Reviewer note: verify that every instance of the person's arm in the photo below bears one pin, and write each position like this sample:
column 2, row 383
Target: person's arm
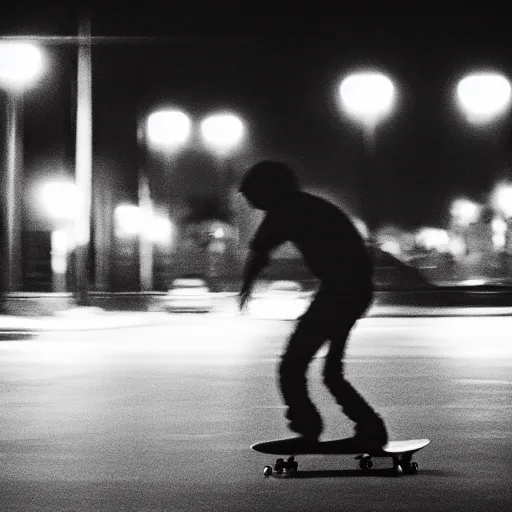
column 269, row 236
column 256, row 262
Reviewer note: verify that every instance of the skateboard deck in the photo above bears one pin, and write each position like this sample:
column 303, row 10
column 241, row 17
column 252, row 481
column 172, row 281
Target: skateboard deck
column 400, row 452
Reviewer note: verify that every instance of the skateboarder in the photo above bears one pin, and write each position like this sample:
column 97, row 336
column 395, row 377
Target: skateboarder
column 335, row 252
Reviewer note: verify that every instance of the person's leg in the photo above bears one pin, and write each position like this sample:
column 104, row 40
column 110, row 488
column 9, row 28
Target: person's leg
column 308, row 337
column 369, row 425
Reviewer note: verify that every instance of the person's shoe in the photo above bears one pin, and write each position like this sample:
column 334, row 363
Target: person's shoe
column 370, row 436
column 299, row 444
column 308, row 431
column 306, row 438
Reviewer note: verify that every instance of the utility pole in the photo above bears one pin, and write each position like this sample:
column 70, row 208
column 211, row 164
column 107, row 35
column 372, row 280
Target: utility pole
column 83, row 161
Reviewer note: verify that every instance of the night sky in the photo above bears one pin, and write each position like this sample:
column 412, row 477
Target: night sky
column 279, row 68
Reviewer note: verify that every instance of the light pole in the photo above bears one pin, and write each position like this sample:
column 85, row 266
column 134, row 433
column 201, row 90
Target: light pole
column 484, row 97
column 20, row 64
column 83, row 162
column 223, row 133
column 165, row 130
column 368, row 97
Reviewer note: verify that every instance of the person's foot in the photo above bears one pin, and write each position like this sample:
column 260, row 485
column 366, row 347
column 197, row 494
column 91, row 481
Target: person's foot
column 299, row 444
column 309, row 430
column 306, row 438
column 371, row 435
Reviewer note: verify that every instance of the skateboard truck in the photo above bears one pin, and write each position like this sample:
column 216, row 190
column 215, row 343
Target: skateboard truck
column 402, row 464
column 282, row 467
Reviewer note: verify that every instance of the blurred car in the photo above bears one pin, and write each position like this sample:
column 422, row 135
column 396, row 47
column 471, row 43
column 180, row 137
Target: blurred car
column 189, row 295
column 282, row 300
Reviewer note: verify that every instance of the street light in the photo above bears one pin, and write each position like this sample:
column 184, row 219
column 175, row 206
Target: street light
column 222, row 132
column 168, row 129
column 62, row 202
column 503, row 199
column 128, row 221
column 160, row 230
column 464, row 212
column 219, row 233
column 433, row 238
column 499, row 233
column 368, row 97
column 131, row 222
column 483, row 96
column 20, row 64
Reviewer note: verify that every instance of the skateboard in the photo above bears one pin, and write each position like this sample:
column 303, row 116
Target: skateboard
column 400, row 452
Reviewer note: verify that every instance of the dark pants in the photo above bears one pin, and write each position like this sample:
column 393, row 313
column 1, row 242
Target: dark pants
column 331, row 316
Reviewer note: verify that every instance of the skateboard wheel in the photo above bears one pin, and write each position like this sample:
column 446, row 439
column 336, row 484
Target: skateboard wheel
column 366, row 463
column 267, row 471
column 399, row 471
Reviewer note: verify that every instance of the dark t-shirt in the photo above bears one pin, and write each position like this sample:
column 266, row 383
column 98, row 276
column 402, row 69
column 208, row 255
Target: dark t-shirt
column 330, row 244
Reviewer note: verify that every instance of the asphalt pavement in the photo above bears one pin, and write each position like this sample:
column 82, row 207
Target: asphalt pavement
column 161, row 417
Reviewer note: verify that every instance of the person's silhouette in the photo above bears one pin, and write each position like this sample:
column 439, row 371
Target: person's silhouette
column 335, row 252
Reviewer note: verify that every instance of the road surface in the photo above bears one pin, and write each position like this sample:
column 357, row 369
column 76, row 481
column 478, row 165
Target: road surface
column 160, row 418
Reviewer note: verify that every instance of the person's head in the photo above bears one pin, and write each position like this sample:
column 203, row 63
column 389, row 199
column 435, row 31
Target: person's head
column 267, row 184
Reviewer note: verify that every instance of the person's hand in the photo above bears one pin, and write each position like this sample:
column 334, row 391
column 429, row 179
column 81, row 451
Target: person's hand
column 243, row 297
